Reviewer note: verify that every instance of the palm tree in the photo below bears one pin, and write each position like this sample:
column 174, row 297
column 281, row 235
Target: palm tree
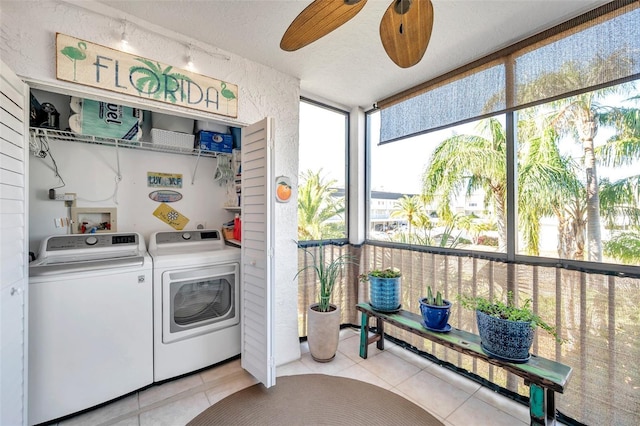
column 625, row 247
column 548, row 185
column 579, row 116
column 407, row 207
column 546, row 180
column 316, row 205
column 620, row 202
column 469, row 163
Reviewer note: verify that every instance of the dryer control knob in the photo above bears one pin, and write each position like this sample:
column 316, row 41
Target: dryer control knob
column 91, row 240
column 186, row 236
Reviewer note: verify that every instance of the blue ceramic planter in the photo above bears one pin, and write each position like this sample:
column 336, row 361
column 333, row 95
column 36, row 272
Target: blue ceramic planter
column 435, row 317
column 384, row 293
column 509, row 340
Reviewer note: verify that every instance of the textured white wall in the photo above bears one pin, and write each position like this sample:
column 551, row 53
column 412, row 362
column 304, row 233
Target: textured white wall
column 28, row 47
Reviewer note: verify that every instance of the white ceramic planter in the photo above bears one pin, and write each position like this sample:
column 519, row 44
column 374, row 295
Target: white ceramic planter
column 323, row 333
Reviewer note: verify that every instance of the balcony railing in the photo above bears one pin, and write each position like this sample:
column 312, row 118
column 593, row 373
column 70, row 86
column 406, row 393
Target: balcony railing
column 598, row 314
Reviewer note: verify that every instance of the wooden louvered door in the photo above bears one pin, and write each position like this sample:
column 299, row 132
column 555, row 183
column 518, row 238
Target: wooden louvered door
column 257, row 204
column 13, row 247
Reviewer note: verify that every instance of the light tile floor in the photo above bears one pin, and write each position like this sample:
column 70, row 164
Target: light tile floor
column 458, row 402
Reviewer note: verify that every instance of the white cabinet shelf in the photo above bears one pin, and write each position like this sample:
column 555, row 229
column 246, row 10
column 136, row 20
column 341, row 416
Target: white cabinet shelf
column 37, row 134
column 233, row 209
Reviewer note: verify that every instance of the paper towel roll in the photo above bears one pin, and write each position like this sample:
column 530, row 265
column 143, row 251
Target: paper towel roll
column 75, row 123
column 76, row 104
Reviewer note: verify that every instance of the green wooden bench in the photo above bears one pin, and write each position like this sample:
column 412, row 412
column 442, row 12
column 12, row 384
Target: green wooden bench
column 543, row 376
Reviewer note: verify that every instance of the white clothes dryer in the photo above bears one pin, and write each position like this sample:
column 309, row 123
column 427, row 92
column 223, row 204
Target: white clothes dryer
column 90, row 322
column 196, row 300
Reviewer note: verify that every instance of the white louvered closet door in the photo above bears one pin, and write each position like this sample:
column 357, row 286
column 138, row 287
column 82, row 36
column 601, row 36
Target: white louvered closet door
column 257, row 204
column 13, row 247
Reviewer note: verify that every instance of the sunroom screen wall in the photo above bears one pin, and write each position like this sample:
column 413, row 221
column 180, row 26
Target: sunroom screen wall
column 544, row 67
column 597, row 313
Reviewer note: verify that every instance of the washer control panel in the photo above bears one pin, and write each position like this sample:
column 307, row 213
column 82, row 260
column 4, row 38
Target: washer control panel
column 188, row 237
column 81, row 241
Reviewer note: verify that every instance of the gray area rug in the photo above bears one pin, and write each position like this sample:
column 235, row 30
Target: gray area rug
column 314, row 399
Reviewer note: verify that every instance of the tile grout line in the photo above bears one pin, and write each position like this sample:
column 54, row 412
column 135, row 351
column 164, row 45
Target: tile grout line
column 235, row 376
column 203, row 387
column 495, row 406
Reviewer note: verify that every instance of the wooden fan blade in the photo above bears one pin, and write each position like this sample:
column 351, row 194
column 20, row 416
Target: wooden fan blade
column 317, row 20
column 405, row 37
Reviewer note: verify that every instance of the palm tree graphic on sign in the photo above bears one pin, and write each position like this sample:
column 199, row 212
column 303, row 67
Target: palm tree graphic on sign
column 75, row 54
column 156, row 81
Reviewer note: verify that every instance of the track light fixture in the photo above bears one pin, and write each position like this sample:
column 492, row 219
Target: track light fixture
column 189, row 57
column 123, row 38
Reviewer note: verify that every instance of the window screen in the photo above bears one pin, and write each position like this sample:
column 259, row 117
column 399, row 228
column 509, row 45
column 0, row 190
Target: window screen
column 558, row 62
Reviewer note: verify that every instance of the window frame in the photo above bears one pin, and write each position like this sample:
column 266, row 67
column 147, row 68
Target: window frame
column 347, row 143
column 506, row 56
column 511, row 255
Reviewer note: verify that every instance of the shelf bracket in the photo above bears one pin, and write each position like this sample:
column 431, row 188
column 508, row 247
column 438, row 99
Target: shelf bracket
column 119, row 175
column 195, row 169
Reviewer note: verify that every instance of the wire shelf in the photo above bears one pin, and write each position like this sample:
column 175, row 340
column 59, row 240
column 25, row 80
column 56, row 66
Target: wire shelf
column 37, row 133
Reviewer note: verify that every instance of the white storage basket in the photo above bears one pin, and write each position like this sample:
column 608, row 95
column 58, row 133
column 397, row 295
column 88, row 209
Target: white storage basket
column 169, row 139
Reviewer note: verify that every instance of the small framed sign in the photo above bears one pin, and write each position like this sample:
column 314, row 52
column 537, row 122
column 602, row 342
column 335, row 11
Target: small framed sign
column 165, row 196
column 164, row 180
column 170, row 216
column 82, row 62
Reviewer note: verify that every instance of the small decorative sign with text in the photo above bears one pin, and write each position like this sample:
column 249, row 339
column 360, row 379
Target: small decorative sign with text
column 82, row 62
column 164, row 180
column 171, row 216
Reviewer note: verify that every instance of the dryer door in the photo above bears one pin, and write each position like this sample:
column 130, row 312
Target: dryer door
column 199, row 301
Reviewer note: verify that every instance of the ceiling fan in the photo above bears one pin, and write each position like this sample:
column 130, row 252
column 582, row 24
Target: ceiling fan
column 405, row 28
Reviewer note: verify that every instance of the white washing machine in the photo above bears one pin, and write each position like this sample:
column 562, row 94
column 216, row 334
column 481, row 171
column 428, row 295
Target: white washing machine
column 196, row 300
column 90, row 322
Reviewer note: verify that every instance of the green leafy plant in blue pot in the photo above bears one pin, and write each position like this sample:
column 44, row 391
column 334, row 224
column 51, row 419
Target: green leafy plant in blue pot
column 506, row 330
column 435, row 311
column 385, row 289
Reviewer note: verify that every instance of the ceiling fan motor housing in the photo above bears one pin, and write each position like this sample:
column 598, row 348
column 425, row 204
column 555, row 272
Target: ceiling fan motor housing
column 402, row 6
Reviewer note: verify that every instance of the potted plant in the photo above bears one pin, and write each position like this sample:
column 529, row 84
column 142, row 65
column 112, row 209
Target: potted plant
column 506, row 331
column 323, row 317
column 384, row 289
column 435, row 311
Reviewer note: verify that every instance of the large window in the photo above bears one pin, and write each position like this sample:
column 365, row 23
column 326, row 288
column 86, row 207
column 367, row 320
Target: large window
column 521, row 172
column 445, row 189
column 532, row 151
column 578, row 177
column 322, row 200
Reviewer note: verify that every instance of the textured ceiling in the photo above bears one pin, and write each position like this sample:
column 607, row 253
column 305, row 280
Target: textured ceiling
column 349, row 66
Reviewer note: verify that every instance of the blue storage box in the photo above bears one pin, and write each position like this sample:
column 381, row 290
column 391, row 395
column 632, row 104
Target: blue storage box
column 214, row 141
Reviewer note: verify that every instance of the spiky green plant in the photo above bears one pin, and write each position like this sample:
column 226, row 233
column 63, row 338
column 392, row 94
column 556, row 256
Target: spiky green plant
column 327, row 273
column 434, row 301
